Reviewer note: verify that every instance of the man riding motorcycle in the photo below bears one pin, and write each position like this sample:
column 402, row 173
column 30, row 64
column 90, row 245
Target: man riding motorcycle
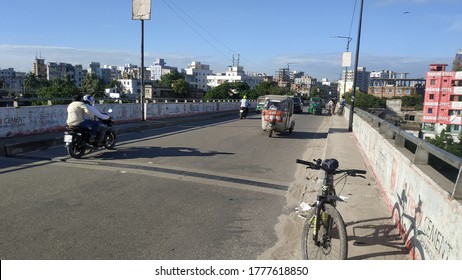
column 98, row 130
column 245, row 105
column 76, row 112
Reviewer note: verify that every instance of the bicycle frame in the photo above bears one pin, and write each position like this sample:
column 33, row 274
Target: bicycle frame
column 328, row 196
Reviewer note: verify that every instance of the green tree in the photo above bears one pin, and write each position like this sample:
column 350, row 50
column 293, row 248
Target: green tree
column 411, row 101
column 446, row 142
column 366, row 101
column 32, row 83
column 168, row 79
column 93, row 85
column 181, row 88
column 223, row 91
column 117, row 85
column 58, row 88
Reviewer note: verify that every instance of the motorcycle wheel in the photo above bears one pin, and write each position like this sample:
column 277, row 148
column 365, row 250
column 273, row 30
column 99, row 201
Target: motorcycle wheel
column 76, row 150
column 270, row 132
column 109, row 140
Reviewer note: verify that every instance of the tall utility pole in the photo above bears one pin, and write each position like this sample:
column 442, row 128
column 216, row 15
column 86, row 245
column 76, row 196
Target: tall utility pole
column 141, row 10
column 352, row 107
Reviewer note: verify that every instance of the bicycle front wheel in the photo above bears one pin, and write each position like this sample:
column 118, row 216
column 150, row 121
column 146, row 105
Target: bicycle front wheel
column 331, row 242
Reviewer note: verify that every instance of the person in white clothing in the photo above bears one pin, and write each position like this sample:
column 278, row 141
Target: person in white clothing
column 76, row 112
column 98, row 130
column 245, row 104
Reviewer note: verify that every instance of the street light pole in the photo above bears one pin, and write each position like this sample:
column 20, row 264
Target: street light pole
column 143, row 113
column 352, row 107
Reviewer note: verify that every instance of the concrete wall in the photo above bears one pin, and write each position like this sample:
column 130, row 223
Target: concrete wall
column 429, row 218
column 40, row 119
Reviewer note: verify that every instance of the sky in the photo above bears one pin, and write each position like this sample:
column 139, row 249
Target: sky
column 404, row 36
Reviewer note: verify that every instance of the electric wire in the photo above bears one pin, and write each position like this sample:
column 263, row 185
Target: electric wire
column 192, row 28
column 172, row 3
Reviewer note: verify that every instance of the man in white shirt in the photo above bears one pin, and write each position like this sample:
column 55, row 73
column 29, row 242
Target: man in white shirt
column 98, row 131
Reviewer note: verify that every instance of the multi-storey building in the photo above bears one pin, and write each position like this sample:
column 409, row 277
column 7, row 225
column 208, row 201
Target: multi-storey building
column 160, row 68
column 303, row 85
column 345, row 84
column 39, row 69
column 64, row 71
column 387, row 84
column 443, row 101
column 234, row 74
column 12, row 81
column 196, row 75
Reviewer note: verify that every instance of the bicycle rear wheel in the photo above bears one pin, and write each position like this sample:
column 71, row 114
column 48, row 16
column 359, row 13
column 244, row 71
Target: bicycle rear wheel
column 331, row 243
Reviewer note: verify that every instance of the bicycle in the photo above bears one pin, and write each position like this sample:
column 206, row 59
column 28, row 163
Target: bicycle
column 324, row 233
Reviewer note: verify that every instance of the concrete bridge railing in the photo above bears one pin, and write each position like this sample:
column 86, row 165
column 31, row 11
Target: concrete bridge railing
column 420, row 184
column 25, row 120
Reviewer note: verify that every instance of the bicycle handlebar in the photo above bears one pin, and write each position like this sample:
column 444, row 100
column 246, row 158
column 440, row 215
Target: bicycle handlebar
column 317, row 165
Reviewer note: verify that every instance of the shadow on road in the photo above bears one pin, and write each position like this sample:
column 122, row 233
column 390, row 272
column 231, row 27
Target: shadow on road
column 153, row 152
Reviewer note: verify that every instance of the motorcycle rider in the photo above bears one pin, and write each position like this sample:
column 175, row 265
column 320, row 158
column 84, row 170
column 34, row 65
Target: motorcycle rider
column 98, row 130
column 76, row 112
column 245, row 104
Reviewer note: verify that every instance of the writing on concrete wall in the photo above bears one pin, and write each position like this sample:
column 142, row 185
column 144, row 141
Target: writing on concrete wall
column 12, row 121
column 428, row 219
column 437, row 245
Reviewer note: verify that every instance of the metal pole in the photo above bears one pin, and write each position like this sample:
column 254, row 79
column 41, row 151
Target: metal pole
column 352, row 108
column 143, row 118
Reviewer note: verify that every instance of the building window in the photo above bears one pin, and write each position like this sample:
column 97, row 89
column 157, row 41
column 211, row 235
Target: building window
column 432, row 96
column 430, row 110
column 433, row 82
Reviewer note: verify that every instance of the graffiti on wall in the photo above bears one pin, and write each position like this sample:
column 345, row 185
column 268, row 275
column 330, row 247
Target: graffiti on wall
column 420, row 234
column 12, row 122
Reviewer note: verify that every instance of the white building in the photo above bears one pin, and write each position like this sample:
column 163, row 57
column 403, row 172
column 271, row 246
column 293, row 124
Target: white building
column 234, row 74
column 362, row 81
column 196, row 75
column 160, row 68
column 132, row 87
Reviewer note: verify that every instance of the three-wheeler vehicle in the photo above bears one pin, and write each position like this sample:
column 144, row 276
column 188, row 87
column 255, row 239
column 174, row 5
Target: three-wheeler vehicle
column 277, row 114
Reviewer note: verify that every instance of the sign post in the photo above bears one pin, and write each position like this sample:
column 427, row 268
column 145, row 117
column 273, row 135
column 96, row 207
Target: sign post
column 141, row 10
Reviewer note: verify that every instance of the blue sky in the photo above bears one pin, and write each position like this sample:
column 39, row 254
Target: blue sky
column 268, row 34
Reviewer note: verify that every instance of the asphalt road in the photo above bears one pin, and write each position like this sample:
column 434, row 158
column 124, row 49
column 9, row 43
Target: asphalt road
column 207, row 190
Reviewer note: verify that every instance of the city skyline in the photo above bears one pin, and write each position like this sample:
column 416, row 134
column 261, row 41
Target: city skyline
column 397, row 35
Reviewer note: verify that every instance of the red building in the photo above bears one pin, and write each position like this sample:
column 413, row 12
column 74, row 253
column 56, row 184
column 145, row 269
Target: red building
column 443, row 101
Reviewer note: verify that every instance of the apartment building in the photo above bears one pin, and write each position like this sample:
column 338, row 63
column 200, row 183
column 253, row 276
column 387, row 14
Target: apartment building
column 345, row 84
column 234, row 74
column 443, row 101
column 64, row 71
column 160, row 68
column 388, row 84
column 196, row 75
column 12, row 81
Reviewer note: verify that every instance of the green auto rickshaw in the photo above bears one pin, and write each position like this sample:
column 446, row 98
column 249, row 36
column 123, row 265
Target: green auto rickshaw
column 315, row 106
